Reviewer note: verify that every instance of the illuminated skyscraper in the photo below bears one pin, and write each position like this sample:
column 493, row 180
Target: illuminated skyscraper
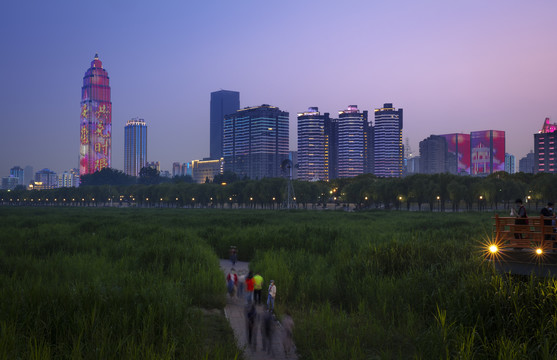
column 351, row 142
column 135, row 146
column 96, row 120
column 388, row 141
column 255, row 141
column 458, row 146
column 223, row 102
column 544, row 148
column 313, row 145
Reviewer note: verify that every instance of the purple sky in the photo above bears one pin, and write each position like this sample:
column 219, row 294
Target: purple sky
column 453, row 67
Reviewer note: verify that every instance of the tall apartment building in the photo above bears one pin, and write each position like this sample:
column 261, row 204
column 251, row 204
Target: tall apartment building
column 69, row 178
column 313, row 145
column 487, row 152
column 544, row 148
column 223, row 102
column 96, row 120
column 433, row 155
column 388, row 149
column 135, row 146
column 351, row 142
column 509, row 164
column 255, row 141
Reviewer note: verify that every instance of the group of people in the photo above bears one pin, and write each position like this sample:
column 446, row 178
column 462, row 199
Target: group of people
column 522, row 217
column 252, row 286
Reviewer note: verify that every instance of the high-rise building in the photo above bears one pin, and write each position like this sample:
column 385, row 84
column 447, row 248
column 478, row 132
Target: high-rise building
column 388, row 141
column 351, row 142
column 96, row 120
column 255, row 141
column 18, row 173
column 458, row 146
column 487, row 152
column 135, row 146
column 313, row 145
column 433, row 155
column 176, row 169
column 205, row 170
column 28, row 175
column 9, row 182
column 509, row 164
column 69, row 178
column 223, row 102
column 544, row 148
column 47, row 178
column 155, row 165
column 528, row 163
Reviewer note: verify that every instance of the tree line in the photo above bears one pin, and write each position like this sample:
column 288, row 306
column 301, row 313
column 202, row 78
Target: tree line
column 440, row 192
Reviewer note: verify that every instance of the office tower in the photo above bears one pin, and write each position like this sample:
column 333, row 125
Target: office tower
column 46, row 179
column 223, row 102
column 255, row 141
column 458, row 146
column 413, row 165
column 388, row 141
column 293, row 156
column 206, row 169
column 176, row 169
column 28, row 175
column 509, row 164
column 135, row 146
column 331, row 132
column 96, row 120
column 544, row 148
column 487, row 152
column 528, row 163
column 351, row 141
column 433, row 155
column 18, row 173
column 186, row 169
column 313, row 145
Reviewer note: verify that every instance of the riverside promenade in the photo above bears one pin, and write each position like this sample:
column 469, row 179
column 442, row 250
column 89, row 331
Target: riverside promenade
column 235, row 313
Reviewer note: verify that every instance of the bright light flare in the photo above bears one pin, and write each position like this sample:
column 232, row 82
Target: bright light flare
column 493, row 249
column 539, row 251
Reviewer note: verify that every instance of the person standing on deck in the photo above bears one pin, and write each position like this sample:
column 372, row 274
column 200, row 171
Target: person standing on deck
column 271, row 296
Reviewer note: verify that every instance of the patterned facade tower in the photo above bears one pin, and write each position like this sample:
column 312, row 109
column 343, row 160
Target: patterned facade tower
column 96, row 120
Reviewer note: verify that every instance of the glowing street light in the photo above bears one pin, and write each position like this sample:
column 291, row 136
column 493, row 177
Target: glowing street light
column 539, row 251
column 493, row 249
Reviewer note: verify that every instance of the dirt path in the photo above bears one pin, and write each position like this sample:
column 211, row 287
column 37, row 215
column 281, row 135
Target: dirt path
column 235, row 313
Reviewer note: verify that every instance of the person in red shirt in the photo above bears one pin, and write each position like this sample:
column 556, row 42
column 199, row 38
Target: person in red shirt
column 249, row 287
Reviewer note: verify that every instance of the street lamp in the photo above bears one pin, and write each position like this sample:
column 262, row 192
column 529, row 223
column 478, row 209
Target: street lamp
column 438, row 203
column 480, row 202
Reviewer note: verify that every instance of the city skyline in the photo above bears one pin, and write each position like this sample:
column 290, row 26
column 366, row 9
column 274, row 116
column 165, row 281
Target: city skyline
column 454, row 68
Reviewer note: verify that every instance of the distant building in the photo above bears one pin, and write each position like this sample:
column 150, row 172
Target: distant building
column 458, row 147
column 28, row 175
column 528, row 163
column 313, row 145
column 18, row 173
column 9, row 182
column 388, row 149
column 206, row 169
column 69, row 178
column 293, row 156
column 47, row 178
column 165, row 174
column 96, row 120
column 433, row 155
column 223, row 102
column 255, row 141
column 413, row 165
column 176, row 169
column 154, row 164
column 487, row 149
column 544, row 148
column 186, row 169
column 135, row 146
column 509, row 163
column 351, row 142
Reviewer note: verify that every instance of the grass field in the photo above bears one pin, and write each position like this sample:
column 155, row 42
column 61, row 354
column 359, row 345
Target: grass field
column 137, row 283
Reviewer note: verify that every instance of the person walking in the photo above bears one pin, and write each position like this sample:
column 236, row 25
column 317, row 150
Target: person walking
column 267, row 332
column 232, row 282
column 249, row 288
column 288, row 338
column 521, row 218
column 271, row 296
column 257, row 287
column 251, row 320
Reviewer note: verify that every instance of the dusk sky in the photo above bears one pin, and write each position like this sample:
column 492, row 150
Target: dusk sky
column 453, row 66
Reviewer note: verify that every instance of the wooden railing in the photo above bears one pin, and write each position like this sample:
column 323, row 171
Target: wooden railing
column 525, row 233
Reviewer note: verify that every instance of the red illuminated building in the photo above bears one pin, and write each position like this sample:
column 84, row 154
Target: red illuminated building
column 96, row 120
column 544, row 148
column 487, row 152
